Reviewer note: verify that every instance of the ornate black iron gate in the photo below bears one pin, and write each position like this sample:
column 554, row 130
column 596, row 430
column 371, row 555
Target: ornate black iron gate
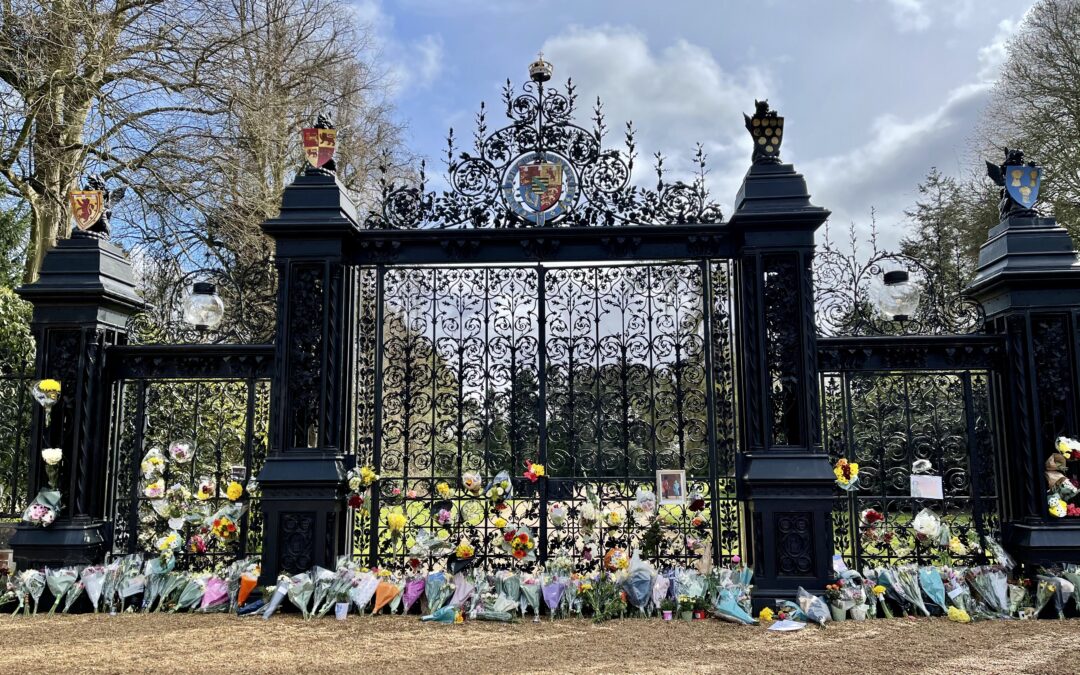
column 603, row 374
column 889, row 402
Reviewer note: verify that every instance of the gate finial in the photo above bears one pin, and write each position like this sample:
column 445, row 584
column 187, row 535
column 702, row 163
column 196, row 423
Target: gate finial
column 540, row 70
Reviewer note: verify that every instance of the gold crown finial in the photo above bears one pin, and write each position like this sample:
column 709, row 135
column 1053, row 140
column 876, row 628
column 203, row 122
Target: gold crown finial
column 540, row 70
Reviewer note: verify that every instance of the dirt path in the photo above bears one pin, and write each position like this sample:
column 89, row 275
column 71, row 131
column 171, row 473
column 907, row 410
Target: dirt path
column 287, row 644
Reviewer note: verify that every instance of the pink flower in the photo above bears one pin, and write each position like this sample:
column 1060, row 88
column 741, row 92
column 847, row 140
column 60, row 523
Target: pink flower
column 735, row 559
column 443, row 516
column 396, row 491
column 411, row 494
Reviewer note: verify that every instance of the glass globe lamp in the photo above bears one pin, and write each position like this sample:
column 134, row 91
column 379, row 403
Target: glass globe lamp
column 897, row 296
column 203, row 307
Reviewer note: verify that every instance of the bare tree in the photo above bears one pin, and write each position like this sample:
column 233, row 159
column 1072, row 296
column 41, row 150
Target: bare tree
column 1036, row 104
column 293, row 59
column 91, row 82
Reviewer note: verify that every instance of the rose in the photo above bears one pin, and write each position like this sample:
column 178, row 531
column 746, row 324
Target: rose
column 355, row 501
column 52, row 456
column 472, row 482
column 234, row 491
column 443, row 517
column 557, row 514
column 926, row 524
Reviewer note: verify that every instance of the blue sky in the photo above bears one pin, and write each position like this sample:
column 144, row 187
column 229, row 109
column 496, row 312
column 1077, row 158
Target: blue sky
column 875, row 92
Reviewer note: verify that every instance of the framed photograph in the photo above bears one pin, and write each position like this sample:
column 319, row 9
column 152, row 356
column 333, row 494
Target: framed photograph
column 671, row 486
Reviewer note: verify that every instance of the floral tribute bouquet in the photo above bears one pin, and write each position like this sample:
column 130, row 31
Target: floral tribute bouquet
column 533, row 471
column 175, row 506
column 225, row 523
column 46, row 392
column 847, row 474
column 153, row 464
column 60, row 582
column 519, row 543
column 1061, row 489
column 44, row 509
column 182, row 451
column 500, row 490
column 360, row 482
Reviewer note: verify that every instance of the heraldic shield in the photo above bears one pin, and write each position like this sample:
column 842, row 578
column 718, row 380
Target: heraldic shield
column 87, row 207
column 540, row 185
column 319, row 145
column 1022, row 184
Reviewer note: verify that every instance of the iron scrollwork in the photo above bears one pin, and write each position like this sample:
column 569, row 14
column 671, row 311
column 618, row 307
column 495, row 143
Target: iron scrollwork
column 844, row 283
column 569, row 177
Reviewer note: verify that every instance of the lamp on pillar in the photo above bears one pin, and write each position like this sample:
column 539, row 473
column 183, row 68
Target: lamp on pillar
column 787, row 478
column 1028, row 281
column 82, row 300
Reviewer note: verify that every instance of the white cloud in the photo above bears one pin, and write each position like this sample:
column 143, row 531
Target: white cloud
column 413, row 65
column 675, row 96
column 910, row 15
column 883, row 173
column 992, row 57
column 921, row 15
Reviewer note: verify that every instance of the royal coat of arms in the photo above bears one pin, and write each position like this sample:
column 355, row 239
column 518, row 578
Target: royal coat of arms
column 540, row 185
column 319, row 145
column 87, row 207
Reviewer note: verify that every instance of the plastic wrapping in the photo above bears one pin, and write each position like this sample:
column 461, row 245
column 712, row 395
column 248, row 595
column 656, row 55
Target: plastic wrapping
column 638, row 584
column 931, row 584
column 812, row 607
column 384, row 593
column 93, row 578
column 59, row 583
column 414, row 588
column 215, row 596
column 463, row 589
column 281, row 591
column 301, row 590
column 433, row 590
column 552, row 590
column 363, row 590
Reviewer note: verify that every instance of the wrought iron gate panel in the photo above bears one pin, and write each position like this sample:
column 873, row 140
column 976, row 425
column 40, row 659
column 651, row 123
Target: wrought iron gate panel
column 885, row 420
column 220, row 401
column 629, row 385
column 16, row 408
column 459, row 366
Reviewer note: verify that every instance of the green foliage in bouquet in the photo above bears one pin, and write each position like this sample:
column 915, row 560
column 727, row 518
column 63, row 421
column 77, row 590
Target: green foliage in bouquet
column 605, row 600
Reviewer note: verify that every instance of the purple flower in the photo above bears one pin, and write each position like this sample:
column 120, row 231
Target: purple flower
column 443, row 516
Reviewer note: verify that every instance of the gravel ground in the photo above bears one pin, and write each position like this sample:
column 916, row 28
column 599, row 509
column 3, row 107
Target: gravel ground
column 216, row 643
